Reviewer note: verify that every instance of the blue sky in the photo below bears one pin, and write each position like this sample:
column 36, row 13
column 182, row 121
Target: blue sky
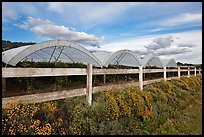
column 168, row 29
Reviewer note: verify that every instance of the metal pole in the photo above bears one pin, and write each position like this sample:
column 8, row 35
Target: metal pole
column 89, row 84
column 141, row 77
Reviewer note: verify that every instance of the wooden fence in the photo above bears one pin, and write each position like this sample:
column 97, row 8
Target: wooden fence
column 89, row 71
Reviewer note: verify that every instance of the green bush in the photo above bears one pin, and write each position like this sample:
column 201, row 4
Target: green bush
column 127, row 111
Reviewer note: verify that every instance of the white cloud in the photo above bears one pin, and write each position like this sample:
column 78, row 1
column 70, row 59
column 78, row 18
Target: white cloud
column 37, row 21
column 169, row 46
column 155, row 30
column 186, row 46
column 8, row 13
column 13, row 10
column 182, row 19
column 33, row 22
column 172, row 50
column 160, row 43
column 60, row 7
column 153, row 46
column 91, row 13
column 159, row 46
column 135, row 44
column 49, row 29
column 77, row 12
column 193, row 37
column 88, row 14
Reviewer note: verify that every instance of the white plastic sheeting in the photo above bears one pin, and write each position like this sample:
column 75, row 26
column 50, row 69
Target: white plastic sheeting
column 66, row 51
column 122, row 57
column 169, row 63
column 102, row 56
column 11, row 53
column 151, row 60
column 49, row 51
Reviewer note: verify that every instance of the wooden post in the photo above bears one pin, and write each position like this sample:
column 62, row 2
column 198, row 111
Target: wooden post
column 188, row 71
column 27, row 81
column 89, row 84
column 179, row 72
column 141, row 77
column 144, row 76
column 3, row 87
column 199, row 72
column 165, row 73
column 104, row 78
column 195, row 71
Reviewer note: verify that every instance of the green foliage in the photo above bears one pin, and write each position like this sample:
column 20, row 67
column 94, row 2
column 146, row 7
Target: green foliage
column 28, row 64
column 161, row 108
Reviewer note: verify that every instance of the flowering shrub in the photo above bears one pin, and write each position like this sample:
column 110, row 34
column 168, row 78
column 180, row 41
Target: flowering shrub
column 127, row 111
column 25, row 119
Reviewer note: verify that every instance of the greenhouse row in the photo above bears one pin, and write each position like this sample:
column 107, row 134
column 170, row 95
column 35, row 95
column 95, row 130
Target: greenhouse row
column 69, row 52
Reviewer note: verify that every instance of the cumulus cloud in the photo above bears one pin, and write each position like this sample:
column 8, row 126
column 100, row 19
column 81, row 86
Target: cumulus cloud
column 160, row 43
column 185, row 46
column 169, row 46
column 50, row 30
column 172, row 50
column 153, row 46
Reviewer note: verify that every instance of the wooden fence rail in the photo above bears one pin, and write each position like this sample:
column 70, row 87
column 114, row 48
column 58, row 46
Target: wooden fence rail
column 42, row 97
column 42, row 72
column 89, row 71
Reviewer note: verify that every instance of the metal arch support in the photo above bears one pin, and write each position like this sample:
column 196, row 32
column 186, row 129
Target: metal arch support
column 68, row 57
column 51, row 43
column 52, row 54
column 46, row 52
column 60, row 53
column 150, row 59
column 107, row 62
column 89, row 56
column 120, row 58
column 173, row 60
column 39, row 55
column 36, row 53
column 169, row 62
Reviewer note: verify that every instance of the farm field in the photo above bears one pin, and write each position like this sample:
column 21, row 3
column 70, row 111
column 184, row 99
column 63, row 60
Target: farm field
column 102, row 68
column 172, row 107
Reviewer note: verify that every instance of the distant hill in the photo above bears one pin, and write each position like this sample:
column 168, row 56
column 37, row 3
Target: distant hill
column 9, row 45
